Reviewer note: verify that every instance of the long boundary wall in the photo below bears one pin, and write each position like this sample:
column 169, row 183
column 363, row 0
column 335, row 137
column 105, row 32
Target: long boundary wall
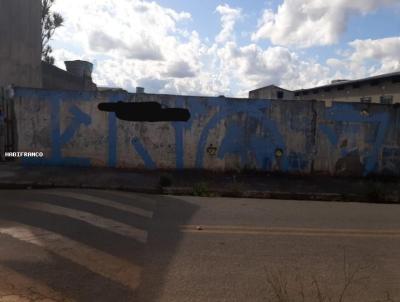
column 222, row 134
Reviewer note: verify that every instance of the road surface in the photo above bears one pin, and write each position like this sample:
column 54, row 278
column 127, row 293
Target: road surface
column 88, row 245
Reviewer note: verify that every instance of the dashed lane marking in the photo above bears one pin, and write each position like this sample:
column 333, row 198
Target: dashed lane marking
column 248, row 230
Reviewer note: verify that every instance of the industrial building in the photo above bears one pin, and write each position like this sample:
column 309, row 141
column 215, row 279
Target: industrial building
column 384, row 89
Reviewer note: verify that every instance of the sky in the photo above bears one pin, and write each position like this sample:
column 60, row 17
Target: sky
column 214, row 48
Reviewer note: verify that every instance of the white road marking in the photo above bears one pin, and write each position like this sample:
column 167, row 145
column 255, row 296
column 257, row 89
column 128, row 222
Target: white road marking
column 102, row 201
column 133, row 196
column 98, row 221
column 111, row 267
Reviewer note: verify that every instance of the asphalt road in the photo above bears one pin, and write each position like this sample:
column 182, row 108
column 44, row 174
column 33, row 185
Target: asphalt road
column 87, row 245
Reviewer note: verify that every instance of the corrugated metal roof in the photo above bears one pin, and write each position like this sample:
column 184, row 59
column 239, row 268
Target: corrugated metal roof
column 347, row 82
column 261, row 88
column 339, row 83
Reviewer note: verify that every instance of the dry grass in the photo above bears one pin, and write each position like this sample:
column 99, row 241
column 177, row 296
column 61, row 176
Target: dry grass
column 298, row 288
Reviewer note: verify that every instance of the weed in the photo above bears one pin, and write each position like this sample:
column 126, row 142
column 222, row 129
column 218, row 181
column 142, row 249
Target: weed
column 375, row 193
column 201, row 189
column 284, row 289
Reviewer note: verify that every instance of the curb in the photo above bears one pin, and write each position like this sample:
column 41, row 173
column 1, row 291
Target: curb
column 188, row 191
column 265, row 194
column 51, row 185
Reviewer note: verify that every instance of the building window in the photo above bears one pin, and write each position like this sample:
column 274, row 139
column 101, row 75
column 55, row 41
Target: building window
column 387, row 99
column 327, row 89
column 366, row 99
column 340, row 87
column 375, row 83
column 279, row 94
column 296, row 93
column 305, row 92
column 315, row 91
column 356, row 85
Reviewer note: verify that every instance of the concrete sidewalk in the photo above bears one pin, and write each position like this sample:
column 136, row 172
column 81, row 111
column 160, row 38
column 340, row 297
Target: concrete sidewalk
column 203, row 183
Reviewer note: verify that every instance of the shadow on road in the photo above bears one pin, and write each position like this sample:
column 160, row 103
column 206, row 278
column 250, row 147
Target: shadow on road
column 164, row 242
column 77, row 247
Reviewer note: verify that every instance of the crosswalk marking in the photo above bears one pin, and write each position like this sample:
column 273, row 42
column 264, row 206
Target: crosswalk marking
column 102, row 201
column 101, row 263
column 97, row 261
column 98, row 221
column 131, row 196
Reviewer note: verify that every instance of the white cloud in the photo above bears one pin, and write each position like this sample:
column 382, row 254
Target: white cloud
column 179, row 69
column 136, row 29
column 367, row 57
column 313, row 22
column 152, row 84
column 144, row 46
column 62, row 55
column 138, row 43
column 229, row 16
column 385, row 52
column 252, row 67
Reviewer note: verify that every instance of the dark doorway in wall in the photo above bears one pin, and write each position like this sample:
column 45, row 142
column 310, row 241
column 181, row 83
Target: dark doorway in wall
column 9, row 131
column 279, row 95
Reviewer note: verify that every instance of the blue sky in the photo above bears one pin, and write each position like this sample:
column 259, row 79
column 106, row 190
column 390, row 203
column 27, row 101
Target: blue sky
column 229, row 47
column 207, row 21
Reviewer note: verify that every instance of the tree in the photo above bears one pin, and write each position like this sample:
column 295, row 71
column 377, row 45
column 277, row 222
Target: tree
column 50, row 22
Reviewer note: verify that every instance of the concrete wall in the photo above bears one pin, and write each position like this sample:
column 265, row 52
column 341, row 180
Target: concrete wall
column 222, row 134
column 20, row 43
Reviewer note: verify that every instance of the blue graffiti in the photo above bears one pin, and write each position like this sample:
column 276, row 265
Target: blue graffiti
column 297, row 162
column 197, row 109
column 58, row 139
column 250, row 134
column 231, row 143
column 222, row 114
column 54, row 98
column 112, row 129
column 79, row 118
column 264, row 148
column 141, row 150
column 349, row 114
column 332, row 137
